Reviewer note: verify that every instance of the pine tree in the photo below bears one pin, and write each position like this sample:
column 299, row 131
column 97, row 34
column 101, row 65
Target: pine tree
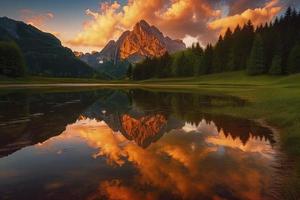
column 129, row 71
column 184, row 68
column 177, row 65
column 206, row 62
column 288, row 12
column 198, row 49
column 165, row 66
column 256, row 63
column 231, row 64
column 276, row 67
column 294, row 60
column 12, row 62
column 245, row 44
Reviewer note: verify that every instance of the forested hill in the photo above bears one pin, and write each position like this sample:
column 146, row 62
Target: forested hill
column 271, row 48
column 43, row 53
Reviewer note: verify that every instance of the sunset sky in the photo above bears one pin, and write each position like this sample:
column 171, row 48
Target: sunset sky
column 88, row 25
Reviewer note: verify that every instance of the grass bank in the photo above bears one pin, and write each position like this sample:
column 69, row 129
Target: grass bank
column 46, row 80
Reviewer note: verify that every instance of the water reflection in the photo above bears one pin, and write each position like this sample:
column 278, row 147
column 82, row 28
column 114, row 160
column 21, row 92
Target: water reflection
column 190, row 162
column 130, row 146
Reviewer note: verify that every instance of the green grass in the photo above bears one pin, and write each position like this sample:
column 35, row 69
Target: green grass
column 238, row 78
column 229, row 78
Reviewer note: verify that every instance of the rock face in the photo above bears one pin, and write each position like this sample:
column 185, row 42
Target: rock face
column 144, row 40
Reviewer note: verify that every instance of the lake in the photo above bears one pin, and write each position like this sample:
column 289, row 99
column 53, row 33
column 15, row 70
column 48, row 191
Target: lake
column 131, row 144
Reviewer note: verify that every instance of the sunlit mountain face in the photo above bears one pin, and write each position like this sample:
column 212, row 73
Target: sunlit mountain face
column 123, row 146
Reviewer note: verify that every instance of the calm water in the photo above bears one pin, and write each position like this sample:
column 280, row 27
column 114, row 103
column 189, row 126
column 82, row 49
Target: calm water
column 133, row 144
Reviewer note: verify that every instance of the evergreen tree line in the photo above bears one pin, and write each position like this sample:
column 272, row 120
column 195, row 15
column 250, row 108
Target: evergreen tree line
column 12, row 62
column 272, row 48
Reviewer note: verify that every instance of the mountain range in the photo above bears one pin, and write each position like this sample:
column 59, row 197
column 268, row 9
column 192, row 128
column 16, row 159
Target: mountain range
column 132, row 46
column 43, row 52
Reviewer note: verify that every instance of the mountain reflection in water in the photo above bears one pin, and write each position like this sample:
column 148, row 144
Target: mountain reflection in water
column 123, row 146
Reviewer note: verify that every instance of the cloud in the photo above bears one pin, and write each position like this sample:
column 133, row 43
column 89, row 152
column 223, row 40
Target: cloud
column 189, row 40
column 38, row 20
column 237, row 7
column 257, row 16
column 202, row 20
column 175, row 17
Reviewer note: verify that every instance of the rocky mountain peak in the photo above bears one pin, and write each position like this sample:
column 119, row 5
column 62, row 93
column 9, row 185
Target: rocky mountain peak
column 142, row 41
column 142, row 25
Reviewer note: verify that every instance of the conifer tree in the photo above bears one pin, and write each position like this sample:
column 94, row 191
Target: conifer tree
column 276, row 67
column 165, row 63
column 231, row 64
column 206, row 65
column 129, row 71
column 256, row 64
column 12, row 62
column 294, row 60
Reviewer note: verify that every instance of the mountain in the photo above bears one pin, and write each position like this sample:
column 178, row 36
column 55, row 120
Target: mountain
column 43, row 52
column 143, row 41
column 78, row 54
column 132, row 46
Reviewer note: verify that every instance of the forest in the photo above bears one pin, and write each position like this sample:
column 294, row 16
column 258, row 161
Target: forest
column 272, row 48
column 12, row 61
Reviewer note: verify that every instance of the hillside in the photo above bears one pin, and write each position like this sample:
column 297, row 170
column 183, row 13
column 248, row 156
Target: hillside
column 43, row 52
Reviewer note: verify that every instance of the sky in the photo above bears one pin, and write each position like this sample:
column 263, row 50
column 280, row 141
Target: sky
column 87, row 25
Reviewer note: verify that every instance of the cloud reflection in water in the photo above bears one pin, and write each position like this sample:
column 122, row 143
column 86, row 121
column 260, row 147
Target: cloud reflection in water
column 192, row 162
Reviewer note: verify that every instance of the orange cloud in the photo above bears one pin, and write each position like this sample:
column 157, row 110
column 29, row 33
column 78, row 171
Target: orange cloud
column 175, row 17
column 38, row 20
column 198, row 19
column 257, row 16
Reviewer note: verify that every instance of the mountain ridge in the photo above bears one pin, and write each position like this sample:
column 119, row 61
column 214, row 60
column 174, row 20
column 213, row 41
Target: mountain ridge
column 142, row 41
